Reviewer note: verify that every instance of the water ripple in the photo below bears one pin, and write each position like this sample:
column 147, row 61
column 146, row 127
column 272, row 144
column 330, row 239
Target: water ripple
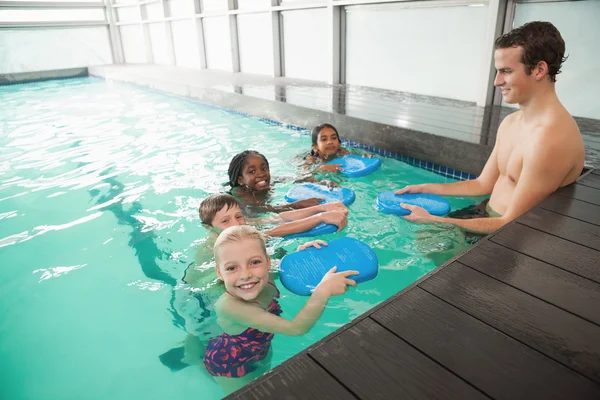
column 55, row 272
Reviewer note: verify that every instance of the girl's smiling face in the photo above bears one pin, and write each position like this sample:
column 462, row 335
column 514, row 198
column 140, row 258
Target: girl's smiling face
column 328, row 142
column 244, row 268
column 255, row 174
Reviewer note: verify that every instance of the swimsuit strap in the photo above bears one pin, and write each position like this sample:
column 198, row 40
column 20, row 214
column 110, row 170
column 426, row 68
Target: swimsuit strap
column 272, row 284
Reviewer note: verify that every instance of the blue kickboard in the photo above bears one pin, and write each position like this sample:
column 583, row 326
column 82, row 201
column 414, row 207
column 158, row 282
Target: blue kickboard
column 389, row 203
column 355, row 166
column 321, row 229
column 309, row 190
column 301, row 272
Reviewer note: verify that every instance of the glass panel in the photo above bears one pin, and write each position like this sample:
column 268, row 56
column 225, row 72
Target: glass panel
column 128, row 14
column 54, row 1
column 305, row 44
column 94, row 14
column 159, row 43
column 132, row 39
column 214, row 5
column 218, row 43
column 296, row 2
column 255, row 43
column 185, row 42
column 578, row 85
column 154, row 11
column 25, row 50
column 262, row 92
column 253, row 4
column 181, row 8
column 429, row 51
column 316, row 98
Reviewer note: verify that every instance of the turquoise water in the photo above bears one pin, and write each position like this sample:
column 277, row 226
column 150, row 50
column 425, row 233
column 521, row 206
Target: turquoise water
column 100, row 187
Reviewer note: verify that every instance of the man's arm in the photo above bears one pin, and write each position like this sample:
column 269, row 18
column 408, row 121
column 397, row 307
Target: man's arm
column 540, row 177
column 483, row 185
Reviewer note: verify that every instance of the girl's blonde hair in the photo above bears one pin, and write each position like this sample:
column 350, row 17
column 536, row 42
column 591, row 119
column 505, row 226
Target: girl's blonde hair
column 236, row 234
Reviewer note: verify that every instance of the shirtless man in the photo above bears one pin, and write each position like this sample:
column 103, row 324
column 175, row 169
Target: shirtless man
column 538, row 148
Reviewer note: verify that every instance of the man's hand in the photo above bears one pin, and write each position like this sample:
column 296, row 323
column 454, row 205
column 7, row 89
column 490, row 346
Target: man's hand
column 411, row 189
column 417, row 214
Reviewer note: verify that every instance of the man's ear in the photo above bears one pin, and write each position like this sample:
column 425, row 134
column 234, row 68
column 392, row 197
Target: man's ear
column 541, row 70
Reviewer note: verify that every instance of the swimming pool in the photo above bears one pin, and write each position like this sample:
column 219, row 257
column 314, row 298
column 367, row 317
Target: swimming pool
column 100, row 186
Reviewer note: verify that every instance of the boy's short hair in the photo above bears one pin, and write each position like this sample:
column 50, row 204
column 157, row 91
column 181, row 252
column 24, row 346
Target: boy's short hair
column 541, row 41
column 211, row 205
column 237, row 233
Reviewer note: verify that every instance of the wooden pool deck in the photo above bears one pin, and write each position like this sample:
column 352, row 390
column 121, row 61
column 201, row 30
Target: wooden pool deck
column 515, row 317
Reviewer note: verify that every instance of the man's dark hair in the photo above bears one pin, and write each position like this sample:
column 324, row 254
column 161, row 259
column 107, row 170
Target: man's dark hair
column 541, row 41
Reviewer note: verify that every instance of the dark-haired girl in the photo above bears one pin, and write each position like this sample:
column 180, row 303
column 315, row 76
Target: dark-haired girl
column 326, row 145
column 250, row 181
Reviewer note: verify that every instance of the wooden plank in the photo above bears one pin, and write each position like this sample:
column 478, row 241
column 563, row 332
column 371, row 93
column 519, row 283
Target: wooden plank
column 498, row 365
column 581, row 192
column 375, row 364
column 554, row 285
column 562, row 226
column 301, row 379
column 560, row 335
column 567, row 255
column 573, row 208
column 591, row 180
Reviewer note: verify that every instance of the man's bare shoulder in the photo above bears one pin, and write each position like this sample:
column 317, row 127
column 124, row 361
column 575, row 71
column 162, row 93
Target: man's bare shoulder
column 558, row 145
column 509, row 121
column 564, row 123
column 559, row 129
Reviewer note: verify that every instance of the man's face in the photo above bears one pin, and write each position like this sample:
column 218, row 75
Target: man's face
column 511, row 76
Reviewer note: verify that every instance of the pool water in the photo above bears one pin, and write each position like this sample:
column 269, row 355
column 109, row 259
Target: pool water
column 99, row 190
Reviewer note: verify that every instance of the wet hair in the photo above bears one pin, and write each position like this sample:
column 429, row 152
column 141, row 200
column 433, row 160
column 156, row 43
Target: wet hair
column 541, row 41
column 236, row 234
column 315, row 135
column 210, row 206
column 237, row 164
